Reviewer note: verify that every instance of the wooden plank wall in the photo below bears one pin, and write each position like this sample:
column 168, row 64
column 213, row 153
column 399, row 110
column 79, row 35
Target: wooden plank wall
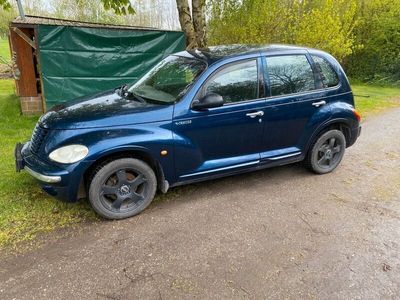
column 27, row 83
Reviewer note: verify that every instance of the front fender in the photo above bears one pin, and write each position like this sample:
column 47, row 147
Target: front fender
column 151, row 139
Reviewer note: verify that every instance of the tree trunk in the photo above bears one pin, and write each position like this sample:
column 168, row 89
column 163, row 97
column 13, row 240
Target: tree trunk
column 185, row 19
column 199, row 22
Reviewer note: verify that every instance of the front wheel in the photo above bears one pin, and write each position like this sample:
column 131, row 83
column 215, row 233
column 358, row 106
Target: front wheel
column 327, row 152
column 122, row 188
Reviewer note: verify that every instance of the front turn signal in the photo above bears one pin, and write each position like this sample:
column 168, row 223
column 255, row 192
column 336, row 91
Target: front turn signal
column 357, row 115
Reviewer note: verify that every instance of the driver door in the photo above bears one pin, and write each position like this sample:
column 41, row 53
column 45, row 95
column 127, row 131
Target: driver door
column 223, row 139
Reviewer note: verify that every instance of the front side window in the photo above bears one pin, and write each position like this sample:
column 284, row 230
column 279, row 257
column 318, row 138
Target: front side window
column 169, row 79
column 328, row 75
column 290, row 74
column 235, row 83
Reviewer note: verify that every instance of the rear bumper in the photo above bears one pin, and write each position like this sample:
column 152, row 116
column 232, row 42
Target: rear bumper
column 61, row 182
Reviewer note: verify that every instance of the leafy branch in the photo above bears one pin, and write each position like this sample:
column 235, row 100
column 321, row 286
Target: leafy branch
column 120, row 7
column 5, row 4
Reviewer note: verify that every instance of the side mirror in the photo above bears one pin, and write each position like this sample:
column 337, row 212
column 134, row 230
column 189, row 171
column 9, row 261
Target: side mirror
column 208, row 101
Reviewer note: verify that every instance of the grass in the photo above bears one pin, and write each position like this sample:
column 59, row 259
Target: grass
column 4, row 49
column 25, row 210
column 372, row 99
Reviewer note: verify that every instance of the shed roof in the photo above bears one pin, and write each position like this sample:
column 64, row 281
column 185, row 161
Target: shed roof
column 37, row 20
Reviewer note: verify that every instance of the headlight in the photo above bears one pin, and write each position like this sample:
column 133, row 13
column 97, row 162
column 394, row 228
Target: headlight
column 69, row 154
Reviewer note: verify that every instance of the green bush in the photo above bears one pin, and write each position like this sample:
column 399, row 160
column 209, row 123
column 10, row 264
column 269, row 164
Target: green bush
column 363, row 34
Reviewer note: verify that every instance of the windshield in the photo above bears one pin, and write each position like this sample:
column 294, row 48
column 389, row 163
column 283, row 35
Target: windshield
column 169, row 79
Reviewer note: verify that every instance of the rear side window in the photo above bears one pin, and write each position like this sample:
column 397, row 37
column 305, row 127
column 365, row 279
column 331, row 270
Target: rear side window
column 328, row 75
column 290, row 74
column 236, row 82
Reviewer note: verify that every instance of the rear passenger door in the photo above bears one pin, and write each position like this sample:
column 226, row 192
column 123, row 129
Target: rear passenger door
column 295, row 97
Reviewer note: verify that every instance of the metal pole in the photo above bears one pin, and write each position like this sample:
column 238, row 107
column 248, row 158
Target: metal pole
column 21, row 9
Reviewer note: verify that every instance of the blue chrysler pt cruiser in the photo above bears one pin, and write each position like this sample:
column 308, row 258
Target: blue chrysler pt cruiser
column 196, row 115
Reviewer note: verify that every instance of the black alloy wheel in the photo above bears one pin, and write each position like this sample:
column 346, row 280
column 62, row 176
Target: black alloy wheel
column 122, row 188
column 327, row 152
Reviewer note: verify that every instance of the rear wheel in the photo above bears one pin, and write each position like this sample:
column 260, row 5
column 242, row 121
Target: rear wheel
column 327, row 152
column 122, row 188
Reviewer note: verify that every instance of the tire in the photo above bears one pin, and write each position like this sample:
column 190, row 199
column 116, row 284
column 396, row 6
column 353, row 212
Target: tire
column 122, row 188
column 327, row 152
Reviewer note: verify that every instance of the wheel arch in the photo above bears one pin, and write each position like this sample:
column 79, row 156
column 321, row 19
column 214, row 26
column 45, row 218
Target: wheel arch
column 137, row 153
column 340, row 124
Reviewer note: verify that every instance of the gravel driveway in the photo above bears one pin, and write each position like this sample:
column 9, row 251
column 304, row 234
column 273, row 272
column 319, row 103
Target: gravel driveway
column 277, row 233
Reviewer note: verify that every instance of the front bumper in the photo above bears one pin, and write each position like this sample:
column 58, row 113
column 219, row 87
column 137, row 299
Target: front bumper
column 62, row 182
column 19, row 161
column 20, row 165
column 43, row 178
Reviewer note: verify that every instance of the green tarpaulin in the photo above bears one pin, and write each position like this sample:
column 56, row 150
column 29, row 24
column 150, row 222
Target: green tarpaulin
column 79, row 61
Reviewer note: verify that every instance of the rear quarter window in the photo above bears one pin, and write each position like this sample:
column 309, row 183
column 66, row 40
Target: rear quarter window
column 329, row 77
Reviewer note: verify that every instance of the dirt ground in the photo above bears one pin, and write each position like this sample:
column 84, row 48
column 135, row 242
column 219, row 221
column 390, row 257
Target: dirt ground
column 273, row 234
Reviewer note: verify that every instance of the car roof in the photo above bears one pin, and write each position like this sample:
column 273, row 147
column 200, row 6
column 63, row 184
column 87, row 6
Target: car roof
column 216, row 53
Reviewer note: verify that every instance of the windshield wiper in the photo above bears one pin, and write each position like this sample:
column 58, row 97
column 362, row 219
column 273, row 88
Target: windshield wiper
column 123, row 91
column 137, row 97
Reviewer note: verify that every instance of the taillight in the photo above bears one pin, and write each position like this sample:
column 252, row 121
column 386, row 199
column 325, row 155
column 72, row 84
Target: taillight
column 357, row 115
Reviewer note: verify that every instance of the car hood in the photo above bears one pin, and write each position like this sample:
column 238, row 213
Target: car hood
column 104, row 110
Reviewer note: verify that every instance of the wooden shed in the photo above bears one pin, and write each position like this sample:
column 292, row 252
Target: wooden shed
column 61, row 60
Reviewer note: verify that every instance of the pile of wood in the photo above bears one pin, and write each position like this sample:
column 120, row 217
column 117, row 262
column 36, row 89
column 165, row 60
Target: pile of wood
column 8, row 68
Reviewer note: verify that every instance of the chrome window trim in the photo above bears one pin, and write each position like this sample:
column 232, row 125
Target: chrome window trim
column 306, row 92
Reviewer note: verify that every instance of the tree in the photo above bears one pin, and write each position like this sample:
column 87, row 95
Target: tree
column 193, row 24
column 328, row 26
column 5, row 4
column 378, row 58
column 83, row 10
column 323, row 24
column 6, row 16
column 120, row 7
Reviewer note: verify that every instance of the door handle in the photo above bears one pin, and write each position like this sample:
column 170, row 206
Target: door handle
column 319, row 103
column 252, row 115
